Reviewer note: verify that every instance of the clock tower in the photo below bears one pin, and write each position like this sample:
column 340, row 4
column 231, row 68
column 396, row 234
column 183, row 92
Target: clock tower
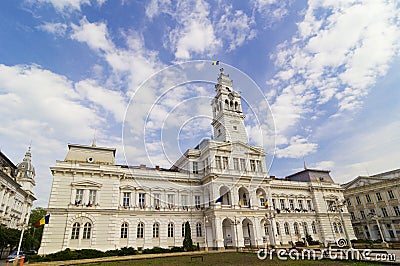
column 228, row 118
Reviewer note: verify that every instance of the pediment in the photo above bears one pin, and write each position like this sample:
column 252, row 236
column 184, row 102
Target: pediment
column 362, row 181
column 127, row 187
column 86, row 183
column 229, row 146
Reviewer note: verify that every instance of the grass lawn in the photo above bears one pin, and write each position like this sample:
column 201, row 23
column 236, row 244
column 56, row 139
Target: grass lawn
column 230, row 258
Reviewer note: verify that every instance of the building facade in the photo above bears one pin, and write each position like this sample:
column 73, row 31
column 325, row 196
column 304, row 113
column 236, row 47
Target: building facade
column 374, row 207
column 221, row 187
column 16, row 191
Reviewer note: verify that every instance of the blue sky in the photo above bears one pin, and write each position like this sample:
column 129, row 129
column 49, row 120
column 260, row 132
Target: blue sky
column 329, row 70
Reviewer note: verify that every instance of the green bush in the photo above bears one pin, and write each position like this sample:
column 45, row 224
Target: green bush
column 155, row 250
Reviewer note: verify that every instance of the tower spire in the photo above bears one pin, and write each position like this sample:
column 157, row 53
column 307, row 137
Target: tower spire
column 94, row 139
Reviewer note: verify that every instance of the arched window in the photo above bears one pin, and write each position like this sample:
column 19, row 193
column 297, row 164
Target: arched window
column 335, row 227
column 156, row 230
column 296, row 229
column 199, row 232
column 75, row 230
column 340, row 228
column 305, row 228
column 183, row 229
column 140, row 230
column 278, row 231
column 226, row 104
column 236, row 105
column 286, row 226
column 124, row 230
column 314, row 228
column 170, row 230
column 87, row 230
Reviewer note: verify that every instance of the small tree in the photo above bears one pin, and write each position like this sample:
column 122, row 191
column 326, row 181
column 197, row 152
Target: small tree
column 187, row 242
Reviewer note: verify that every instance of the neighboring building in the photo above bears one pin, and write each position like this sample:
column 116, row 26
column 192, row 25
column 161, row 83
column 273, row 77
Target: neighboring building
column 374, row 201
column 16, row 191
column 221, row 187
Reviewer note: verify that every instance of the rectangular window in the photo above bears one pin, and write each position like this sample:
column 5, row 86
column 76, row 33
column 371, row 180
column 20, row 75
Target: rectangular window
column 126, row 199
column 391, row 195
column 372, row 211
column 368, row 198
column 362, row 214
column 384, row 212
column 291, row 204
column 157, row 201
column 396, row 210
column 262, row 202
column 197, row 201
column 352, row 216
column 252, row 165
column 236, row 164
column 348, row 201
column 184, row 202
column 92, row 197
column 273, row 204
column 378, row 196
column 225, row 162
column 309, row 205
column 259, row 166
column 124, row 230
column 218, row 162
column 243, row 164
column 358, row 200
column 170, row 201
column 282, row 202
column 199, row 231
column 142, row 200
column 206, row 166
column 170, row 230
column 300, row 203
column 195, row 168
column 79, row 196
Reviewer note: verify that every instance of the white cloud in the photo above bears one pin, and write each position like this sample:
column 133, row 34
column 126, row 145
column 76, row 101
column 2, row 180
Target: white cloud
column 43, row 107
column 298, row 147
column 65, row 5
column 340, row 50
column 324, row 165
column 95, row 35
column 235, row 27
column 112, row 101
column 195, row 33
column 57, row 29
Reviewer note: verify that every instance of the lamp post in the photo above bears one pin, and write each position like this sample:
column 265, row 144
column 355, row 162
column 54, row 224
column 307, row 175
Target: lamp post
column 376, row 218
column 339, row 206
column 270, row 215
column 205, row 232
column 236, row 233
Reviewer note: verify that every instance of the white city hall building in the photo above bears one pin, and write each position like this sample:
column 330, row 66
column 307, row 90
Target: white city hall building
column 221, row 187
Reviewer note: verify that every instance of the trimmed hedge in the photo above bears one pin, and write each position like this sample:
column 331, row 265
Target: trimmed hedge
column 68, row 254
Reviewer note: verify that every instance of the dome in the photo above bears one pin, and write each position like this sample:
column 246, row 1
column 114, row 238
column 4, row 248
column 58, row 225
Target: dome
column 25, row 169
